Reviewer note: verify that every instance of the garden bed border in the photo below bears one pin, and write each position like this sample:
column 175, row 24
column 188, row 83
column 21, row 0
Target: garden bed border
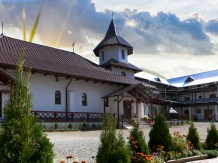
column 187, row 159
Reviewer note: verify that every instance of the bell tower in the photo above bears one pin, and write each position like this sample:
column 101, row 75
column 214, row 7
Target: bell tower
column 113, row 52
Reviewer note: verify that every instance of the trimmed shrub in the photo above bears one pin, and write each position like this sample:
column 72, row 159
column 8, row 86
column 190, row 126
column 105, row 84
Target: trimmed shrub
column 21, row 139
column 159, row 134
column 112, row 147
column 56, row 126
column 210, row 153
column 212, row 137
column 140, row 139
column 193, row 136
column 70, row 126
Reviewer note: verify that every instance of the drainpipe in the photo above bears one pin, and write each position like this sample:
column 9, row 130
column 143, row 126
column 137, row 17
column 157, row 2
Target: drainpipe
column 66, row 91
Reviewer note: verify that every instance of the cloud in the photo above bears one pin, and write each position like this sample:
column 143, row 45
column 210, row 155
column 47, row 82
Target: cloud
column 212, row 26
column 64, row 22
column 165, row 32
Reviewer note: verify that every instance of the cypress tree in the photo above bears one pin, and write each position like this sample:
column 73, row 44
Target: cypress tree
column 112, row 147
column 193, row 136
column 22, row 139
column 159, row 134
column 212, row 136
column 139, row 137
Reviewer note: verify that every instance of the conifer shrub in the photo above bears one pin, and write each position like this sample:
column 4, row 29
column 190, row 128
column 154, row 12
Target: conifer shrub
column 159, row 134
column 138, row 136
column 193, row 136
column 84, row 126
column 93, row 126
column 212, row 136
column 112, row 146
column 70, row 126
column 21, row 139
column 56, row 126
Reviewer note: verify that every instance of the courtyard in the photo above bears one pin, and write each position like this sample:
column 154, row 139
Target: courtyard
column 84, row 144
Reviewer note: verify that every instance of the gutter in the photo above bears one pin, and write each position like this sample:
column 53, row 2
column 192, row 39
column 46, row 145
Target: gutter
column 66, row 92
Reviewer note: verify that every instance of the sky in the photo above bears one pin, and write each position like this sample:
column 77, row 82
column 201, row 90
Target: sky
column 171, row 37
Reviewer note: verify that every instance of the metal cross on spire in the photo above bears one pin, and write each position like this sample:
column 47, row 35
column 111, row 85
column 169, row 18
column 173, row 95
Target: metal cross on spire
column 2, row 28
column 73, row 46
column 112, row 15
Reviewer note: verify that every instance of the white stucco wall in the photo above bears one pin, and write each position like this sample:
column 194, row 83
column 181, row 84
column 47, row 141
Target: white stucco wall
column 115, row 52
column 46, row 100
column 129, row 73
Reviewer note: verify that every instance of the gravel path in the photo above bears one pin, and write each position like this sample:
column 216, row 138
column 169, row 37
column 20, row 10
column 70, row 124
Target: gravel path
column 84, row 144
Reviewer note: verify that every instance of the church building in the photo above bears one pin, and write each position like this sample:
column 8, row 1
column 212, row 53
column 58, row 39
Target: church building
column 67, row 87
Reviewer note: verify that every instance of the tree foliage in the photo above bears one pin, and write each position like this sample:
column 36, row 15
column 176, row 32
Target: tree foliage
column 21, row 139
column 139, row 137
column 193, row 136
column 212, row 136
column 112, row 147
column 159, row 134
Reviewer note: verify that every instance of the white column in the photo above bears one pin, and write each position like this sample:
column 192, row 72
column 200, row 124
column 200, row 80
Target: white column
column 190, row 112
column 141, row 110
column 146, row 110
column 216, row 113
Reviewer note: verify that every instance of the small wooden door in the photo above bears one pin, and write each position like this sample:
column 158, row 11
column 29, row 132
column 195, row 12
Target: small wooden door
column 0, row 104
column 187, row 112
column 207, row 112
column 127, row 109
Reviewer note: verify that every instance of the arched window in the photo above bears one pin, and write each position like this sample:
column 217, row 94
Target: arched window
column 57, row 97
column 102, row 56
column 84, row 100
column 123, row 54
column 123, row 73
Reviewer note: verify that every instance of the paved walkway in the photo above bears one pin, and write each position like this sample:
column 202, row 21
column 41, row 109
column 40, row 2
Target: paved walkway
column 214, row 160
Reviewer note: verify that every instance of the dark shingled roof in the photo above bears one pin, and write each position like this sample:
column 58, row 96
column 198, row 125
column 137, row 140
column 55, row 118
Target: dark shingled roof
column 5, row 78
column 113, row 37
column 114, row 63
column 47, row 60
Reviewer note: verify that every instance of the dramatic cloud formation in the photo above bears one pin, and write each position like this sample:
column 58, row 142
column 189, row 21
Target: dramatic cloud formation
column 63, row 22
column 152, row 34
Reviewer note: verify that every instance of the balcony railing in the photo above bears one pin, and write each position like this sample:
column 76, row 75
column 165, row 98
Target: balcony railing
column 51, row 116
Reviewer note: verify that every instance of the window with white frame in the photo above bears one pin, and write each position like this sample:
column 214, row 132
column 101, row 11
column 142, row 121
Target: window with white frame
column 123, row 73
column 123, row 54
column 57, row 97
column 84, row 99
column 212, row 95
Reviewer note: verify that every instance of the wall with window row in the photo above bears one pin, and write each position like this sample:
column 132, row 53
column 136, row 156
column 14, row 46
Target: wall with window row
column 43, row 90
